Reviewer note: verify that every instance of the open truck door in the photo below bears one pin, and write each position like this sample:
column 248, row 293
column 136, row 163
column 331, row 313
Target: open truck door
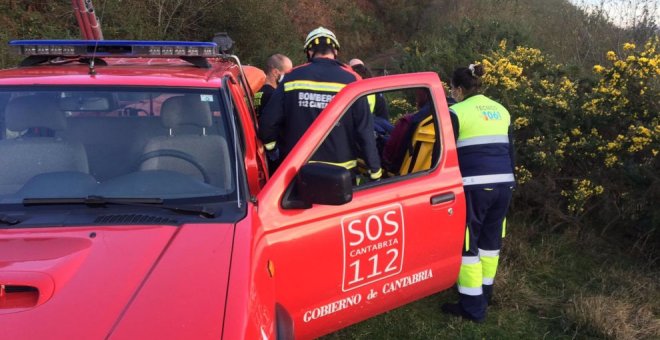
column 341, row 253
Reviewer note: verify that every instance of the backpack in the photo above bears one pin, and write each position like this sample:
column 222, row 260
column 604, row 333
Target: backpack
column 400, row 142
column 397, row 143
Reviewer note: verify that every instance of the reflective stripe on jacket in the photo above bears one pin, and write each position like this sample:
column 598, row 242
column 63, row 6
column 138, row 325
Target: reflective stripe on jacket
column 484, row 149
column 262, row 97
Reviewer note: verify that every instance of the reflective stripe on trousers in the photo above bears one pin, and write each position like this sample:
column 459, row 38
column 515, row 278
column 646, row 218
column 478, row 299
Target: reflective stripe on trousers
column 470, row 276
column 489, row 260
column 348, row 165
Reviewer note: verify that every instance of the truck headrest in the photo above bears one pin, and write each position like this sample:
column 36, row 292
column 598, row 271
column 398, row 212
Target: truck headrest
column 34, row 111
column 185, row 110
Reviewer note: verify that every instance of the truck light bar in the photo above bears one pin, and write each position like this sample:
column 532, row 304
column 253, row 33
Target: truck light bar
column 114, row 48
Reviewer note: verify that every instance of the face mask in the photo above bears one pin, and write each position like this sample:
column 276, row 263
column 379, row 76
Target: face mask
column 281, row 77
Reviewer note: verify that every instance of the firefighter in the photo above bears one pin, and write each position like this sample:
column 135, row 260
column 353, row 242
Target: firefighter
column 303, row 94
column 482, row 128
column 276, row 66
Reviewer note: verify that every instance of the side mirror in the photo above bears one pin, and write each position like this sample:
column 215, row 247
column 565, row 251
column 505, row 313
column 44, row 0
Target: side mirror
column 319, row 183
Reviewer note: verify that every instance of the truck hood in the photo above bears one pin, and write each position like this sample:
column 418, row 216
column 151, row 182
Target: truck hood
column 114, row 282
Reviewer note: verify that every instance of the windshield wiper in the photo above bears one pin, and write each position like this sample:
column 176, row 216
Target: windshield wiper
column 8, row 220
column 100, row 201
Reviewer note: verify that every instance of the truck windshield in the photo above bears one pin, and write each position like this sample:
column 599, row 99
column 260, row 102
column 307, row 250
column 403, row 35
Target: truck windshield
column 68, row 142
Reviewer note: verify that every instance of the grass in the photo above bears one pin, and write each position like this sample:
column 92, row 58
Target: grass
column 562, row 285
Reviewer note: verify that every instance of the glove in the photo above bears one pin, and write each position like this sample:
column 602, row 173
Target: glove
column 273, row 155
column 375, row 175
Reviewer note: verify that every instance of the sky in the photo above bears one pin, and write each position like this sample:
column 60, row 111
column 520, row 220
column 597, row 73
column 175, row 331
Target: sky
column 622, row 12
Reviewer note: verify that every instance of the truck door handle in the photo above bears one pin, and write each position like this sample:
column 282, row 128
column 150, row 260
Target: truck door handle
column 442, row 198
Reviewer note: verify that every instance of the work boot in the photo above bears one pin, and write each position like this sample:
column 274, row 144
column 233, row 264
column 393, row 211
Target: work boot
column 456, row 310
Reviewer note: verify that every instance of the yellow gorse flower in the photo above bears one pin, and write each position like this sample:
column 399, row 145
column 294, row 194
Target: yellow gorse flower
column 583, row 189
column 520, row 122
column 611, row 55
column 551, row 118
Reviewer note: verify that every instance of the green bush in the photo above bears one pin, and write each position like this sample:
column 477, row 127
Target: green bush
column 456, row 45
column 589, row 158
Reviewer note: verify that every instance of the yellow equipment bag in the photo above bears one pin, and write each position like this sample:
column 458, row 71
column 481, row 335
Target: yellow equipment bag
column 420, row 155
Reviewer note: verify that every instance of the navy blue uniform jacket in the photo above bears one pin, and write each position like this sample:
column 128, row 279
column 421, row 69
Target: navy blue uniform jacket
column 302, row 95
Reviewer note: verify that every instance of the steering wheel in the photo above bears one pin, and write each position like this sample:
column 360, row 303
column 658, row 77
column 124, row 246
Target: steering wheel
column 175, row 154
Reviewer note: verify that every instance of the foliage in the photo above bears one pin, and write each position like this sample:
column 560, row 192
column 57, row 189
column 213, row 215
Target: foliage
column 398, row 106
column 454, row 45
column 454, row 31
column 463, row 30
column 25, row 20
column 594, row 155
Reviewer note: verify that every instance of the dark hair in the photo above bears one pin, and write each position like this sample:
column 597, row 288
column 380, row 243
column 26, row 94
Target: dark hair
column 469, row 78
column 275, row 61
column 322, row 48
column 362, row 70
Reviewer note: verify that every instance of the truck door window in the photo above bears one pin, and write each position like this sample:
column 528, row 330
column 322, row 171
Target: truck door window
column 404, row 131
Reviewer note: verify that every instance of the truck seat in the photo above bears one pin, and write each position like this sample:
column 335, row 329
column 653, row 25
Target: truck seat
column 32, row 153
column 199, row 154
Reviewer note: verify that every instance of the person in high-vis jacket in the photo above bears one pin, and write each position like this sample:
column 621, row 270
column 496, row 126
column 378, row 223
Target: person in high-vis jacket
column 303, row 93
column 482, row 128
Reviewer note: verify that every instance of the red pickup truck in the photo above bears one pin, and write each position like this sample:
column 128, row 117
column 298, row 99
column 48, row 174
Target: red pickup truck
column 135, row 203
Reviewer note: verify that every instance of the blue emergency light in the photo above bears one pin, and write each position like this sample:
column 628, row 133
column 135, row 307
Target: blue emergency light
column 114, row 48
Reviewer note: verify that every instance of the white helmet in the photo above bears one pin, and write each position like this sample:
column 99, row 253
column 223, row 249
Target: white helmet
column 321, row 36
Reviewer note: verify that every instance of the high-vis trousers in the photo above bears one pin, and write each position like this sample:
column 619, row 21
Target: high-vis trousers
column 486, row 212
